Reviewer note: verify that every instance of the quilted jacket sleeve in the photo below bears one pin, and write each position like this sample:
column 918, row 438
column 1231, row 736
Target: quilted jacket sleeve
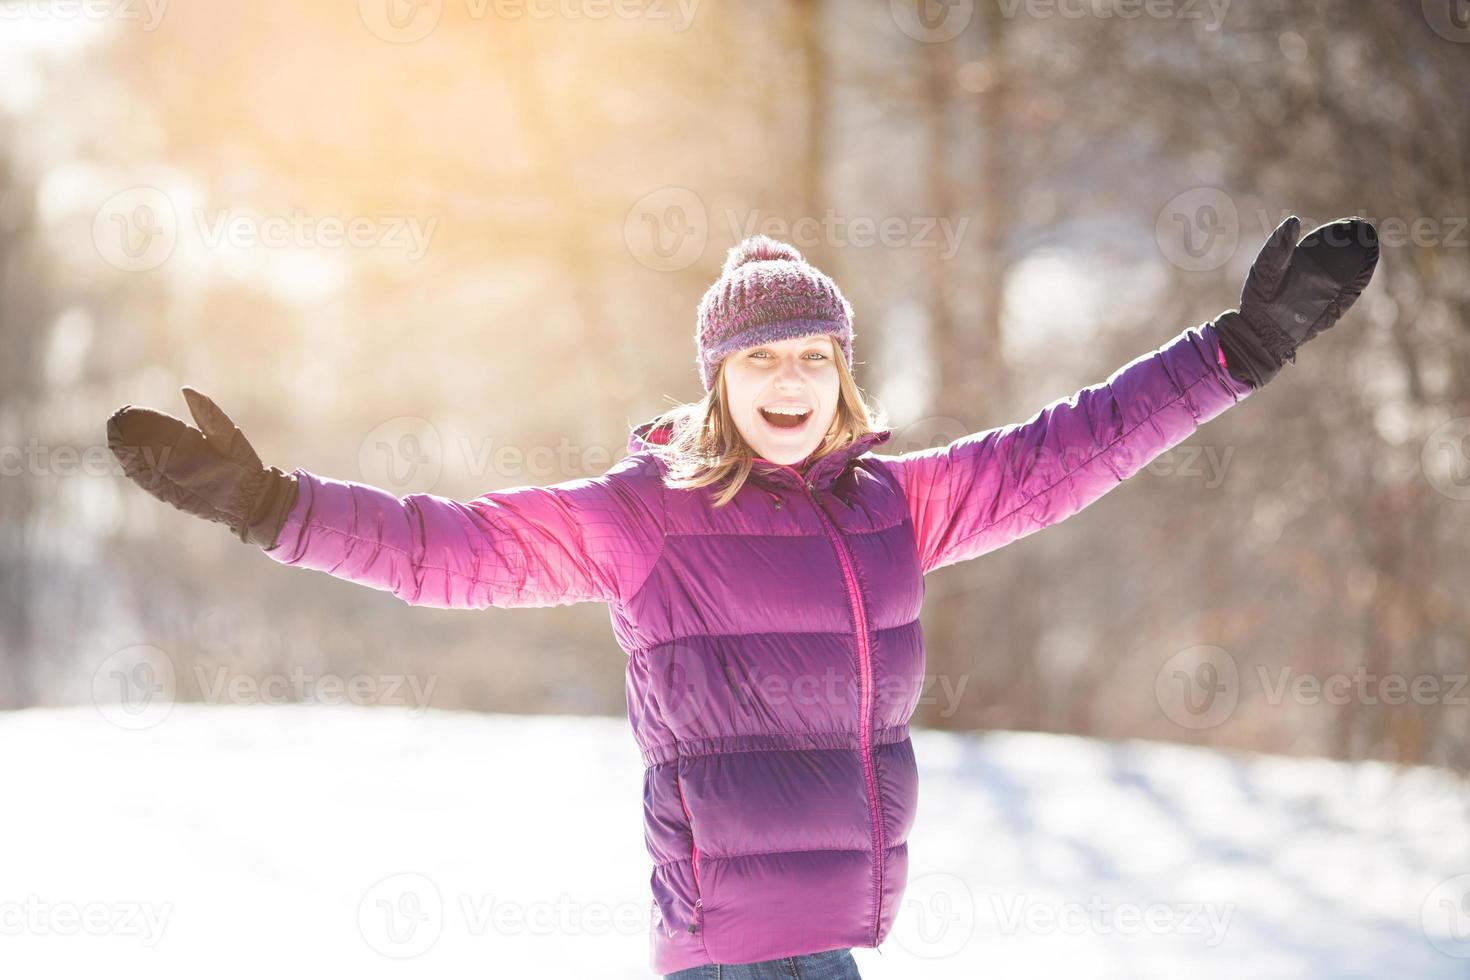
column 592, row 539
column 990, row 488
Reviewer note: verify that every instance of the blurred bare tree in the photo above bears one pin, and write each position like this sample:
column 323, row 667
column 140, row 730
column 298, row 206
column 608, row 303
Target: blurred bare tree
column 1301, row 532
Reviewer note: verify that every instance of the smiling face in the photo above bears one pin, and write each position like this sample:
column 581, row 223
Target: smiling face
column 798, row 375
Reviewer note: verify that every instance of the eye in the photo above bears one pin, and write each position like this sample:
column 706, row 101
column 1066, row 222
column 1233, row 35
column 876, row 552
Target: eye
column 762, row 351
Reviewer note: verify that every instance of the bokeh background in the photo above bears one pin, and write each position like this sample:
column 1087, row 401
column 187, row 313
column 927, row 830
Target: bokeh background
column 454, row 246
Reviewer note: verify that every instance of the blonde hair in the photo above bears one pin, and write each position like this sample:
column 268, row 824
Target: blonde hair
column 705, row 447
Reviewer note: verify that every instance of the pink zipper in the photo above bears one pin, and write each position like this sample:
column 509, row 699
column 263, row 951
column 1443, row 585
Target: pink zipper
column 865, row 671
column 699, row 900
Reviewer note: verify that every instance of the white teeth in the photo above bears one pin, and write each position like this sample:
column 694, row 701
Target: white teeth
column 786, row 411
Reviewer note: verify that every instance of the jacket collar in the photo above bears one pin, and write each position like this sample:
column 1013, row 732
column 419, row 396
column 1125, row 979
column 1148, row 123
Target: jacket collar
column 820, row 474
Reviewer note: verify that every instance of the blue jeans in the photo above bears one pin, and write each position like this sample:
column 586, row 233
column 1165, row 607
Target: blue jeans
column 834, row 964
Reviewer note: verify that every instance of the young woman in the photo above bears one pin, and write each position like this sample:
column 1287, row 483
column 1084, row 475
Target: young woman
column 764, row 570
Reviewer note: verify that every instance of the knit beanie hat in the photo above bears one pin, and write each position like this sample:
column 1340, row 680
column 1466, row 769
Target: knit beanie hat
column 767, row 292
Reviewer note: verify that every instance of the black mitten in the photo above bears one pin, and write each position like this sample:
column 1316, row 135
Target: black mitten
column 211, row 472
column 1295, row 291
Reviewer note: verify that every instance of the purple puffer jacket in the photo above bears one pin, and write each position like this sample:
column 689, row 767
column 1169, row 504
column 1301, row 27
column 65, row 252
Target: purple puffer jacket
column 774, row 650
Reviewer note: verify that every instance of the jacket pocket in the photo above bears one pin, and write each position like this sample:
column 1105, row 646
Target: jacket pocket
column 694, row 857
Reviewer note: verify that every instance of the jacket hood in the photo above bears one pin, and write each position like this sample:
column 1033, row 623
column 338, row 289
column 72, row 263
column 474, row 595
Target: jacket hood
column 645, row 436
column 821, row 472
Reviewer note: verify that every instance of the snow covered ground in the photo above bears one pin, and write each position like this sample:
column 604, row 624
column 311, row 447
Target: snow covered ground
column 311, row 841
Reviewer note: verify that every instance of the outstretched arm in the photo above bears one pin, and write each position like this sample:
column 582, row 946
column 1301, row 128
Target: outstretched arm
column 990, row 488
column 582, row 540
column 591, row 539
column 987, row 489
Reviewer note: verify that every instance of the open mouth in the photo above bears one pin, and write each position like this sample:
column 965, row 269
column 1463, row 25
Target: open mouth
column 784, row 417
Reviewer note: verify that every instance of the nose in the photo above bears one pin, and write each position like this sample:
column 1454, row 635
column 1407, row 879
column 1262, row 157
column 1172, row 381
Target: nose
column 789, row 375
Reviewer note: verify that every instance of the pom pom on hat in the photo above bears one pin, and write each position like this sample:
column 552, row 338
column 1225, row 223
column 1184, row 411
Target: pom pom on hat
column 759, row 248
